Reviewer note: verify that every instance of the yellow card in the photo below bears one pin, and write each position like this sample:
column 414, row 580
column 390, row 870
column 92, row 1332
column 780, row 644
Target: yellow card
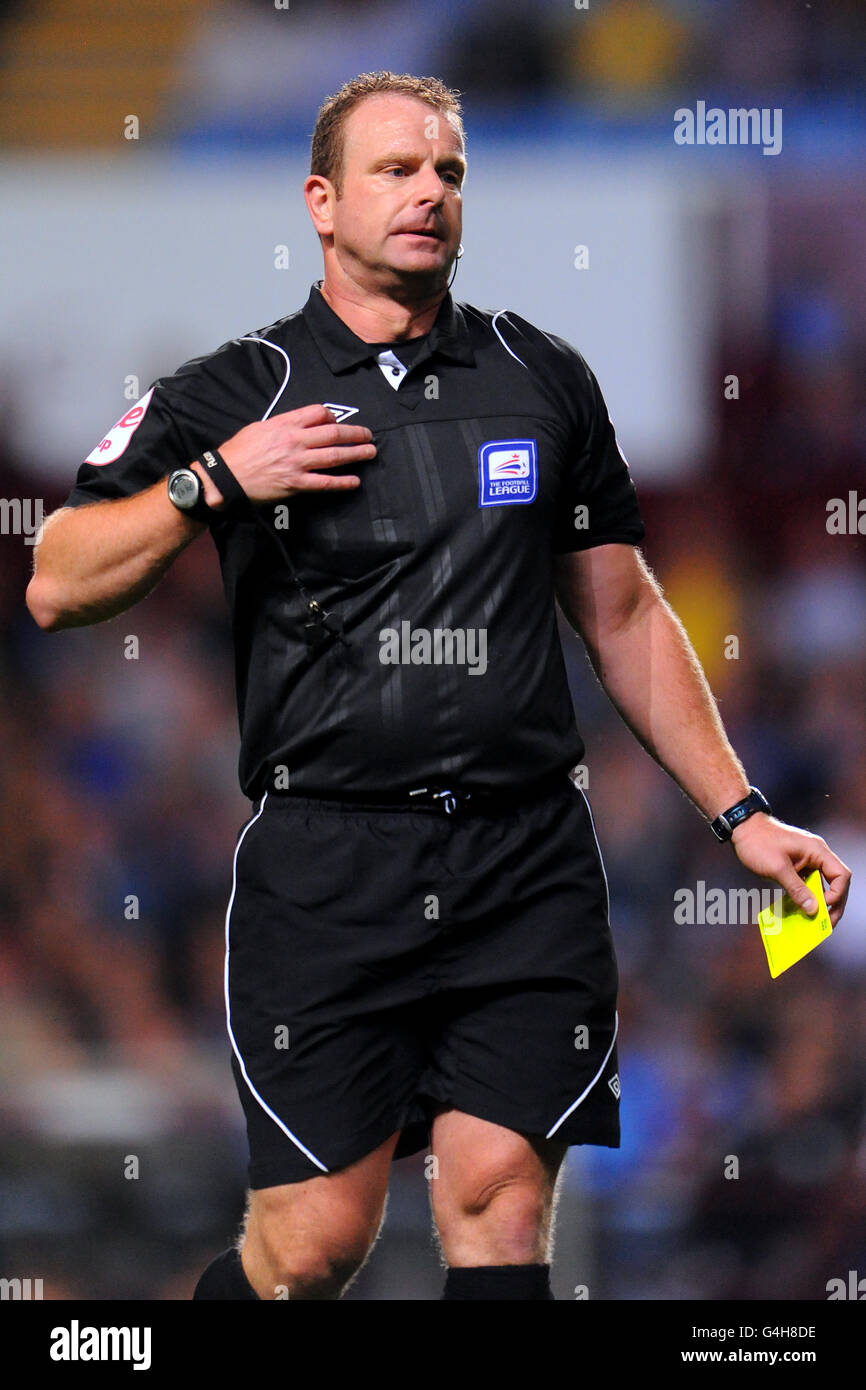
column 790, row 935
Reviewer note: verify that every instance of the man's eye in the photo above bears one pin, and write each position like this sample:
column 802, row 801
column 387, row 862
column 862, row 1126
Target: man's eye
column 396, row 169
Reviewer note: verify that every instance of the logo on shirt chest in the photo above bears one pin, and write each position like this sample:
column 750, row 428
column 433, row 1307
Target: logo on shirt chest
column 341, row 412
column 507, row 472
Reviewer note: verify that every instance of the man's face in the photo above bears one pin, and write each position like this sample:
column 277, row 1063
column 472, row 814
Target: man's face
column 399, row 216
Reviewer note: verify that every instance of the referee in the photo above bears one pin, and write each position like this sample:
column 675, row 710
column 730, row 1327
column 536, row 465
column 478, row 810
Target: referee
column 400, row 488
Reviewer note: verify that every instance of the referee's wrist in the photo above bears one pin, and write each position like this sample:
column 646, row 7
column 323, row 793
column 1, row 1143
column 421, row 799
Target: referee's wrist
column 212, row 495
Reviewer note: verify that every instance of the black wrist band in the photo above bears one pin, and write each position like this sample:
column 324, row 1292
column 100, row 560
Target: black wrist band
column 216, row 468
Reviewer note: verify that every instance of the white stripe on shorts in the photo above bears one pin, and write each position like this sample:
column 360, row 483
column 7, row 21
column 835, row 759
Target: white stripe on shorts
column 585, row 1092
column 267, row 1109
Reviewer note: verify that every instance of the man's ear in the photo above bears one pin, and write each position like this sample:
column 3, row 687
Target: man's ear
column 320, row 196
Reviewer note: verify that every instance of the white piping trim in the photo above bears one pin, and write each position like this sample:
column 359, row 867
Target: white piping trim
column 502, row 340
column 585, row 1092
column 598, row 847
column 267, row 1109
column 266, row 342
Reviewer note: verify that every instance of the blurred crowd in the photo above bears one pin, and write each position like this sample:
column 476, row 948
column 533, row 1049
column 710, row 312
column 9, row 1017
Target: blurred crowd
column 249, row 64
column 255, row 71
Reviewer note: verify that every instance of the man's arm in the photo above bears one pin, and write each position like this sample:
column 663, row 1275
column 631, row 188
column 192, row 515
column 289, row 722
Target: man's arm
column 94, row 562
column 646, row 663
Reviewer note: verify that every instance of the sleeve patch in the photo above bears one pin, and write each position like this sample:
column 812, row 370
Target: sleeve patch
column 117, row 439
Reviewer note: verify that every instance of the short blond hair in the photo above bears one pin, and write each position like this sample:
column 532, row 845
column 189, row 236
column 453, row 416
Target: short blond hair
column 326, row 149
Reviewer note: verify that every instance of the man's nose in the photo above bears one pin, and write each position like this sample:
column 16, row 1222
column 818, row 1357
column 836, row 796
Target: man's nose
column 429, row 188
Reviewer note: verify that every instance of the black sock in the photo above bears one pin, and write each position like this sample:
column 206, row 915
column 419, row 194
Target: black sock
column 225, row 1278
column 498, row 1282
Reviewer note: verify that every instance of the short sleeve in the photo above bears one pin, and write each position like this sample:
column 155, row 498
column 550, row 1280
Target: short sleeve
column 206, row 401
column 597, row 502
column 143, row 446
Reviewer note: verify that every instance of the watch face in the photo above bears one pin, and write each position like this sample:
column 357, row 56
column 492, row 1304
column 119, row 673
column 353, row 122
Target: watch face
column 184, row 489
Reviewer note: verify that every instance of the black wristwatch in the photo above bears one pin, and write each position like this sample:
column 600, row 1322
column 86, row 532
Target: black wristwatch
column 185, row 490
column 724, row 825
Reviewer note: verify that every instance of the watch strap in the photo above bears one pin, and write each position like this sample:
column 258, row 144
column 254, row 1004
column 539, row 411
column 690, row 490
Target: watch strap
column 724, row 825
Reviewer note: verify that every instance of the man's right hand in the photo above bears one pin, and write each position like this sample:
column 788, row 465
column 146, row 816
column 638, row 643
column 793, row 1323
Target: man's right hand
column 277, row 458
column 94, row 562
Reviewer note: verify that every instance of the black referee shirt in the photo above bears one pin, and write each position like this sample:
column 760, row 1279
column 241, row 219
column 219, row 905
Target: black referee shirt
column 495, row 451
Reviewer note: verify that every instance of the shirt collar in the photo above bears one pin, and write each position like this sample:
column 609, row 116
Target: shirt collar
column 341, row 348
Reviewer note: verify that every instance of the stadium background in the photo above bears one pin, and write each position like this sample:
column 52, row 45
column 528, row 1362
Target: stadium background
column 124, row 257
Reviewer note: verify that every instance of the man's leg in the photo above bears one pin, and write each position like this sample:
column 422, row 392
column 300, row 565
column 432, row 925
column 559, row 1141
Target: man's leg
column 493, row 1201
column 308, row 1240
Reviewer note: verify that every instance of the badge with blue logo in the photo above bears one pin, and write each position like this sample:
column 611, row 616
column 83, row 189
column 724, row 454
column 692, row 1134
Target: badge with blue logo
column 507, row 472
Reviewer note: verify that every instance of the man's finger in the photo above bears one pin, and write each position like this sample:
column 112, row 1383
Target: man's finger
column 835, row 896
column 325, row 482
column 836, row 875
column 794, row 886
column 321, row 436
column 314, row 414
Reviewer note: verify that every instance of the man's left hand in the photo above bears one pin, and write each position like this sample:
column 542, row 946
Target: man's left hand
column 775, row 850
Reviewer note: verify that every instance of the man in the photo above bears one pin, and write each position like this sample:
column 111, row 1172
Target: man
column 418, row 947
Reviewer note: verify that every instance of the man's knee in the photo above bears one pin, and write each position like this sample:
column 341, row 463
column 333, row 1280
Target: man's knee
column 316, row 1270
column 496, row 1206
column 518, row 1192
column 309, row 1248
column 510, row 1172
column 518, row 1201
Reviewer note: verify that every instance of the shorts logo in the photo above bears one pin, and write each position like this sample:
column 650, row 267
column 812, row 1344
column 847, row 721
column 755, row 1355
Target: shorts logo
column 115, row 442
column 507, row 472
column 614, row 1084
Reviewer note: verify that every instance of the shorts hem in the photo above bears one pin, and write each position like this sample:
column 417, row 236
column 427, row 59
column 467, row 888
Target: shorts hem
column 279, row 1171
column 605, row 1135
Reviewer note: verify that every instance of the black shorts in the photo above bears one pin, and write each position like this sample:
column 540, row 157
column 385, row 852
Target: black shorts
column 383, row 963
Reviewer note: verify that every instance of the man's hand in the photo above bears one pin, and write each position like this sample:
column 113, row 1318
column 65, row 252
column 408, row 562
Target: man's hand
column 276, row 458
column 775, row 850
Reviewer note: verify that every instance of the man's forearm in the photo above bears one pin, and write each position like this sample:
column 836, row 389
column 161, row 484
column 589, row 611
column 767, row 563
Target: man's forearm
column 652, row 674
column 94, row 562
